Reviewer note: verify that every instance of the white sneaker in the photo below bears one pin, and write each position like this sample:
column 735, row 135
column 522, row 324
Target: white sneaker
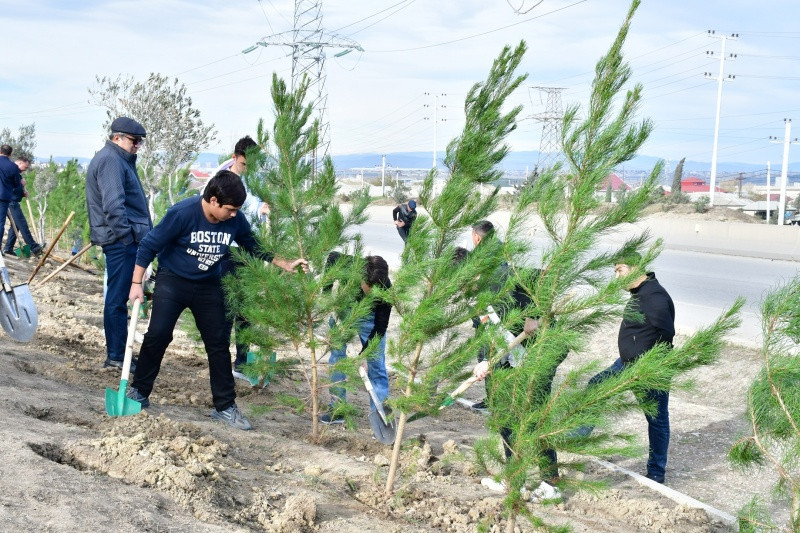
column 492, row 485
column 545, row 493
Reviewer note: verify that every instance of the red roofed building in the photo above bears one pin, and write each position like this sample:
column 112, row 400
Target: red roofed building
column 695, row 184
column 617, row 184
column 198, row 179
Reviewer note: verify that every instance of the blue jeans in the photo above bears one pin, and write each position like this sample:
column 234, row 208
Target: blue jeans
column 376, row 365
column 657, row 426
column 4, row 205
column 120, row 260
column 206, row 300
column 22, row 224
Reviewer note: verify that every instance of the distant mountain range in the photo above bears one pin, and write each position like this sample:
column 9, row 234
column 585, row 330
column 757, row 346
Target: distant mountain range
column 514, row 162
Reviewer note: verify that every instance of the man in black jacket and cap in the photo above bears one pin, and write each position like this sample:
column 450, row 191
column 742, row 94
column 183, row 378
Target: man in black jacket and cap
column 648, row 320
column 118, row 220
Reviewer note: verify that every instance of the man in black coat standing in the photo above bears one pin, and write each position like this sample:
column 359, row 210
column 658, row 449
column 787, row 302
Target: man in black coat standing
column 648, row 320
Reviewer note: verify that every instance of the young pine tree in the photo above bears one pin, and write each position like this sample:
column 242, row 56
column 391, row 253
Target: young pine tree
column 304, row 221
column 430, row 292
column 773, row 408
column 574, row 294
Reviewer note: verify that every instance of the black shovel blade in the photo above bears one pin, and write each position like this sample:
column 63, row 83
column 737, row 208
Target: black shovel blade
column 384, row 432
column 18, row 315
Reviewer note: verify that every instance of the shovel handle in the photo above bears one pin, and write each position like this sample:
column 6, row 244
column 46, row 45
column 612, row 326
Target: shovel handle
column 126, row 364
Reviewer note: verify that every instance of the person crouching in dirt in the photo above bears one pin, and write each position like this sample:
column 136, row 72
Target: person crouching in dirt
column 404, row 216
column 189, row 241
column 373, row 326
column 519, row 300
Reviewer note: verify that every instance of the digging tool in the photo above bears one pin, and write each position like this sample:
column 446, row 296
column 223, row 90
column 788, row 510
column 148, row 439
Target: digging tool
column 467, row 383
column 77, row 266
column 65, row 264
column 52, row 245
column 33, row 221
column 383, row 430
column 117, row 402
column 24, row 250
column 18, row 314
column 449, row 399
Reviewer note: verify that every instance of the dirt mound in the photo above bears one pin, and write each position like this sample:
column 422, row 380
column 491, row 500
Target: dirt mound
column 156, row 452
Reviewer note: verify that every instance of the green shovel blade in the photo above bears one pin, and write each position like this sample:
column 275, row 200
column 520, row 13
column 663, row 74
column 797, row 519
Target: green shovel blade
column 118, row 404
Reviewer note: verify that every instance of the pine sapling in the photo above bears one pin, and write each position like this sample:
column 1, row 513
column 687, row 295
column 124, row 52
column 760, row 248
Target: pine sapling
column 573, row 294
column 773, row 408
column 304, row 221
column 431, row 293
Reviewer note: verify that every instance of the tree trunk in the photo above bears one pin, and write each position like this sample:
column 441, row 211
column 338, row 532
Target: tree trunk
column 795, row 516
column 401, row 425
column 314, row 394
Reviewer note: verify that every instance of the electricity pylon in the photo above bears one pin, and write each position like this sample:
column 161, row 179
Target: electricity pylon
column 308, row 41
column 550, row 150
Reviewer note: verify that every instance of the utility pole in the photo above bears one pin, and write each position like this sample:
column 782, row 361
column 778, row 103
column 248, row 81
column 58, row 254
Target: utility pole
column 383, row 175
column 435, row 120
column 787, row 140
column 740, row 179
column 550, row 142
column 720, row 79
column 769, row 195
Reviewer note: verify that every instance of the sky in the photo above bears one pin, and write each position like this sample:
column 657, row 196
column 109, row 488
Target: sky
column 417, row 55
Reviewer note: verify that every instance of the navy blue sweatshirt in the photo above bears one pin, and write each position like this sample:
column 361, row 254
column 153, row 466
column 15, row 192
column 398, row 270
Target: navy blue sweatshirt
column 190, row 246
column 649, row 319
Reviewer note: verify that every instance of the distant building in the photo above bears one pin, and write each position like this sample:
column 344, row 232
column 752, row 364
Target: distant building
column 198, row 179
column 617, row 183
column 695, row 184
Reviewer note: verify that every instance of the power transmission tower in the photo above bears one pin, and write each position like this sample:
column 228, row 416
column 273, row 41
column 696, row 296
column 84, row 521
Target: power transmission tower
column 720, row 79
column 550, row 150
column 308, row 41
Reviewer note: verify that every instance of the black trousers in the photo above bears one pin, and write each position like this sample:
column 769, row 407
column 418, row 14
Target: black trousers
column 206, row 301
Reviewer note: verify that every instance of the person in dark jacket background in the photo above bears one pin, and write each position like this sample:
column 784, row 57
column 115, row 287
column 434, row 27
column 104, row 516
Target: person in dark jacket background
column 10, row 180
column 648, row 320
column 14, row 209
column 118, row 220
column 404, row 216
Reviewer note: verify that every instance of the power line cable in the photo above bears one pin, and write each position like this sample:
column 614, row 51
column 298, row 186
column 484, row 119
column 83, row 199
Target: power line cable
column 479, row 34
column 373, row 15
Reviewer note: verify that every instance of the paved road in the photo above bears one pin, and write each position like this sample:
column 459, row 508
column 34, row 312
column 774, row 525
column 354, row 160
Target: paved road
column 701, row 284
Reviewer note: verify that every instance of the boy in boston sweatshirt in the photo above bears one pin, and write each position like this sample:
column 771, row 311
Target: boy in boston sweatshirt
column 189, row 241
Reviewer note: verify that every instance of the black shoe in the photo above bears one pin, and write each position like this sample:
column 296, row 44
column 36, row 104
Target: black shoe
column 328, row 419
column 134, row 394
column 481, row 406
column 113, row 363
column 36, row 250
column 657, row 479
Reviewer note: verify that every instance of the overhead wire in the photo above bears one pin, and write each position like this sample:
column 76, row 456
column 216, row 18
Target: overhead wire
column 480, row 34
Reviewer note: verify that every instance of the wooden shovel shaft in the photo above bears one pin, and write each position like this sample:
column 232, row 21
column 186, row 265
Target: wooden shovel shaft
column 52, row 244
column 34, row 228
column 66, row 263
